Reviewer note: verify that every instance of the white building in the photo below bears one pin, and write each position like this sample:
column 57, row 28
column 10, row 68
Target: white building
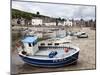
column 37, row 22
column 67, row 23
column 15, row 21
column 60, row 23
column 23, row 22
column 50, row 24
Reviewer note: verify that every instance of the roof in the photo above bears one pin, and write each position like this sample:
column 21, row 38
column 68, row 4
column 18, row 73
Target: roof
column 29, row 39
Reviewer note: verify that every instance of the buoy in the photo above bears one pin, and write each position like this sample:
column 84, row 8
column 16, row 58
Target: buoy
column 66, row 49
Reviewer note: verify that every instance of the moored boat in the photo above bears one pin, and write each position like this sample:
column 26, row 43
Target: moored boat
column 47, row 54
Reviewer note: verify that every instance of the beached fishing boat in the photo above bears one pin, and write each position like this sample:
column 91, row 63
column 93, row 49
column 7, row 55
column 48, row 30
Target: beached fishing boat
column 47, row 54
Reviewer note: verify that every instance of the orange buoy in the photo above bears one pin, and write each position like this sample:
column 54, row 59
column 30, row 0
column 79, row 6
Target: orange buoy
column 66, row 49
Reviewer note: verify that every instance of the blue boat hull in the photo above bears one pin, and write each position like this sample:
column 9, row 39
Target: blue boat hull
column 51, row 63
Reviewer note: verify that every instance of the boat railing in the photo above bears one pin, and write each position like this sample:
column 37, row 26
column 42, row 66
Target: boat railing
column 49, row 46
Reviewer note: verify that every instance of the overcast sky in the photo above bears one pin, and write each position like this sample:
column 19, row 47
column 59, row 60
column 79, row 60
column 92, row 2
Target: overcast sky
column 57, row 10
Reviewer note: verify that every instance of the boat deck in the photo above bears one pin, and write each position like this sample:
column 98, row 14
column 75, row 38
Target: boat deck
column 44, row 52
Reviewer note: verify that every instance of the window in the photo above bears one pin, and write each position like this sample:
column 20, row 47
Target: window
column 42, row 44
column 33, row 43
column 56, row 43
column 29, row 44
column 49, row 43
column 83, row 33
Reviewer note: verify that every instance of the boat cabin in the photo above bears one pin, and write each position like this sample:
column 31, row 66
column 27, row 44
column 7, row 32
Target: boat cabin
column 30, row 44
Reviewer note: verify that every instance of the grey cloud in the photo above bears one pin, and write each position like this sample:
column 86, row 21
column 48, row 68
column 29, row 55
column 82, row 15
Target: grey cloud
column 57, row 10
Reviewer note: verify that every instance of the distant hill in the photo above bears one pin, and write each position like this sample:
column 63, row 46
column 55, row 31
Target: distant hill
column 28, row 16
column 18, row 14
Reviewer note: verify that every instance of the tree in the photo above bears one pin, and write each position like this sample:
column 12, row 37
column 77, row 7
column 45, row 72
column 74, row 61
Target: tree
column 21, row 14
column 38, row 13
column 56, row 21
column 59, row 18
column 95, row 23
column 72, row 20
column 82, row 22
column 91, row 22
column 63, row 19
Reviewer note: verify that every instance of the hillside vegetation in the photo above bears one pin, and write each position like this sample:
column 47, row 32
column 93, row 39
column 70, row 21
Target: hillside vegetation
column 26, row 15
column 22, row 14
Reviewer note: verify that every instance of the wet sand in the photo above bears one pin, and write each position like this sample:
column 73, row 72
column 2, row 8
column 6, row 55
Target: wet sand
column 86, row 57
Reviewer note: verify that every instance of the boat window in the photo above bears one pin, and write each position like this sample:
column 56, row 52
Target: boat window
column 22, row 46
column 33, row 43
column 83, row 34
column 42, row 43
column 29, row 44
column 56, row 43
column 49, row 43
column 65, row 42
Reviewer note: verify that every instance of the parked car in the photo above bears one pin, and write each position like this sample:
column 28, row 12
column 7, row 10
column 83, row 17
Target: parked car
column 82, row 35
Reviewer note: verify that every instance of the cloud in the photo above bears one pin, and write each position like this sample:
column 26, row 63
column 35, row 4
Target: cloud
column 57, row 10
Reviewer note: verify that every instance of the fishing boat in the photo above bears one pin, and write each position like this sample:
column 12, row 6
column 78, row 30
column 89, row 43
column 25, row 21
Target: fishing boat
column 46, row 54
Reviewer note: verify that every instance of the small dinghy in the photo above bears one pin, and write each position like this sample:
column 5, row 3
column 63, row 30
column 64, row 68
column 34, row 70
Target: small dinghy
column 46, row 54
